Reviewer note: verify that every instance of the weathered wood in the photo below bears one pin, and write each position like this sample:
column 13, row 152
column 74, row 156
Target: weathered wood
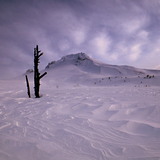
column 37, row 75
column 28, row 88
column 36, row 72
column 42, row 75
column 40, row 55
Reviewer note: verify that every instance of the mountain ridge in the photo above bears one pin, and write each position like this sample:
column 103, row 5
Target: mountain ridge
column 87, row 64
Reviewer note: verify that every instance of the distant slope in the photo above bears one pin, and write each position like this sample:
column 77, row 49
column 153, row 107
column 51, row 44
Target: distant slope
column 83, row 62
column 81, row 69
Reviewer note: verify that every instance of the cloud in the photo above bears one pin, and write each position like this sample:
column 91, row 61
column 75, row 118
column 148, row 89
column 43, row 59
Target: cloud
column 152, row 54
column 133, row 25
column 117, row 32
column 79, row 35
column 135, row 52
column 64, row 45
column 142, row 35
column 100, row 44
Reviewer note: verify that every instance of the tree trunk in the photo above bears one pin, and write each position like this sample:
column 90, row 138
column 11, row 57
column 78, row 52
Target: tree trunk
column 37, row 75
column 28, row 88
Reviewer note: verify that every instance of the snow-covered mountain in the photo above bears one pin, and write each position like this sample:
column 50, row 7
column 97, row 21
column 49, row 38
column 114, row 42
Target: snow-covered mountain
column 87, row 64
column 81, row 69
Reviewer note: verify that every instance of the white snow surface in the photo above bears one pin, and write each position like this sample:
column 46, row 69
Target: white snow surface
column 83, row 114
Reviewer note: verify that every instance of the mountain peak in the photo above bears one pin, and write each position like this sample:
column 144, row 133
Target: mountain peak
column 75, row 59
column 78, row 56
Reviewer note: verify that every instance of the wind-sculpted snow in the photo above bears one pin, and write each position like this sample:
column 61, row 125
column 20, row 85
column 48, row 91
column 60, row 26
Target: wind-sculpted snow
column 80, row 122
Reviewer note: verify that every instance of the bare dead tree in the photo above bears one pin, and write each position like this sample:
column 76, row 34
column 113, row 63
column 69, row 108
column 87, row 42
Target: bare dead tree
column 37, row 76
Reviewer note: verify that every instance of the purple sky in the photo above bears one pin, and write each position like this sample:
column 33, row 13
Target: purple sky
column 122, row 32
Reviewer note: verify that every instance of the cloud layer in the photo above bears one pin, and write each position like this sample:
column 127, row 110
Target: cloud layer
column 112, row 31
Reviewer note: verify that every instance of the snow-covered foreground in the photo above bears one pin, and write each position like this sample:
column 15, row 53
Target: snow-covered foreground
column 77, row 122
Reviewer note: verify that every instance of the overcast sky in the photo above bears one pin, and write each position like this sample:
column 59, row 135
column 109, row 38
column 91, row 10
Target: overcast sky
column 122, row 32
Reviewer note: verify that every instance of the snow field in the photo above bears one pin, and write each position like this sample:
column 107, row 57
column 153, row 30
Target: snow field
column 79, row 122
